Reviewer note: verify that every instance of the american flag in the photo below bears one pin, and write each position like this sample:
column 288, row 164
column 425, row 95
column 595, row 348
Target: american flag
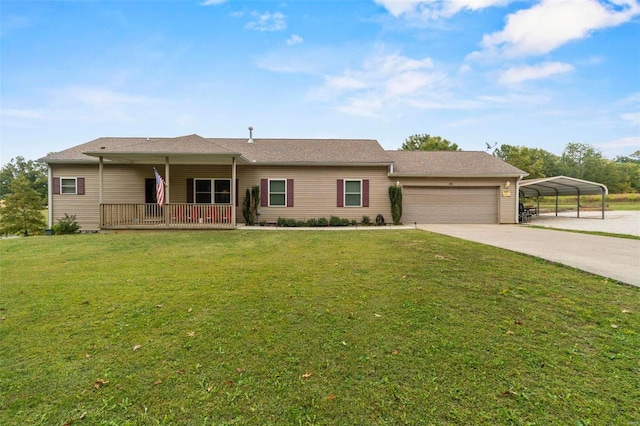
column 159, row 188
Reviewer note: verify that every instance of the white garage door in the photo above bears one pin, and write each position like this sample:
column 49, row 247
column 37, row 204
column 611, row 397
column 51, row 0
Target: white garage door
column 450, row 205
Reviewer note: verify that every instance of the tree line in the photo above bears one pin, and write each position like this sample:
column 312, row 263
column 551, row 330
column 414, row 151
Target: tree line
column 578, row 160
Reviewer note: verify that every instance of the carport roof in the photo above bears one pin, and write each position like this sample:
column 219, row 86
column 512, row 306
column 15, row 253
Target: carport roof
column 560, row 185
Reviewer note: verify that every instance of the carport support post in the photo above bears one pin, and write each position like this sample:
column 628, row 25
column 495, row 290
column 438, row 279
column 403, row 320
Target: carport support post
column 578, row 205
column 602, row 192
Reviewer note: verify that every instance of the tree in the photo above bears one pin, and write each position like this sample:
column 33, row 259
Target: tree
column 535, row 161
column 35, row 172
column 21, row 214
column 427, row 142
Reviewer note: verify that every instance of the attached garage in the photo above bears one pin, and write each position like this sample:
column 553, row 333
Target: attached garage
column 455, row 187
column 450, row 205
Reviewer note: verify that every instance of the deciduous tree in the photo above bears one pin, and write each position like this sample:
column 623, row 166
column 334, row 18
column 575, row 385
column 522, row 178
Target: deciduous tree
column 427, row 142
column 21, row 214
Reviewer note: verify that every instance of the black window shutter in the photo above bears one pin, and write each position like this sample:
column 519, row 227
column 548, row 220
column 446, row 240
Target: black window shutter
column 190, row 190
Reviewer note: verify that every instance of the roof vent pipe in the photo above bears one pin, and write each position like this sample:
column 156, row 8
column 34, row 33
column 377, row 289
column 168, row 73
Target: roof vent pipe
column 250, row 134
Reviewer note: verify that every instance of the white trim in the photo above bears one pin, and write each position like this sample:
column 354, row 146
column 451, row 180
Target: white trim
column 50, row 195
column 213, row 191
column 344, row 192
column 269, row 192
column 75, row 180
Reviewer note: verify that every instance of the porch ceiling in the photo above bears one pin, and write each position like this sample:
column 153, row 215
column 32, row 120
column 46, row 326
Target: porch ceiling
column 173, row 158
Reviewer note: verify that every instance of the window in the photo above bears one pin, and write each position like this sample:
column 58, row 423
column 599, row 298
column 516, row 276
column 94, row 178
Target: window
column 353, row 193
column 68, row 186
column 277, row 192
column 208, row 190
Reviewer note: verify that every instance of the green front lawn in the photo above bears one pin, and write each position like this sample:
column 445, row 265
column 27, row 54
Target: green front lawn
column 308, row 327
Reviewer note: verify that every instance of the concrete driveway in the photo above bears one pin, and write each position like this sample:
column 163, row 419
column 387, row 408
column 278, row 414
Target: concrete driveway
column 616, row 258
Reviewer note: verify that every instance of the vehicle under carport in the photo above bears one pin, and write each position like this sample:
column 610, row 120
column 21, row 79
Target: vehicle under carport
column 561, row 185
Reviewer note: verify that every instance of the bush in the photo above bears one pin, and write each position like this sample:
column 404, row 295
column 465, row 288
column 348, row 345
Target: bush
column 338, row 221
column 322, row 222
column 67, row 225
column 366, row 220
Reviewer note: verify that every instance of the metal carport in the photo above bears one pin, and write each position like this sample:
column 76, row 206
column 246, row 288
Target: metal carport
column 561, row 185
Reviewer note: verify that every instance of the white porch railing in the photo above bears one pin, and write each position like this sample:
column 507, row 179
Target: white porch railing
column 152, row 216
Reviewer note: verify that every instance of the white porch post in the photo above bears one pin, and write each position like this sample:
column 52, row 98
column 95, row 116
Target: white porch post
column 50, row 195
column 233, row 192
column 101, row 177
column 166, row 180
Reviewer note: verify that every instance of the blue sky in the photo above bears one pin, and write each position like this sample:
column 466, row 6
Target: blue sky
column 537, row 73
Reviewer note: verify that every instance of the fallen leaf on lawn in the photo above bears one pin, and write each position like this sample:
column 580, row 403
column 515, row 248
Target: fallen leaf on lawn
column 306, row 375
column 331, row 397
column 404, row 277
column 210, row 388
column 510, row 332
column 614, row 325
column 157, row 382
column 518, row 322
column 82, row 416
column 158, row 306
column 68, row 422
column 3, row 318
column 240, row 370
column 98, row 383
column 625, row 311
column 395, row 352
column 509, row 393
column 181, row 371
column 87, row 356
column 229, row 382
column 344, row 343
column 136, row 347
column 191, row 333
column 190, row 309
column 335, row 264
column 377, row 315
column 439, row 256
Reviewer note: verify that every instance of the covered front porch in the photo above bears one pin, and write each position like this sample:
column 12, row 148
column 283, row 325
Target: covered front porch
column 171, row 215
column 199, row 189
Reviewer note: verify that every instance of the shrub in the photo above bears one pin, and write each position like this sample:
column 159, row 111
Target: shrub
column 338, row 221
column 366, row 220
column 67, row 225
column 322, row 222
column 395, row 197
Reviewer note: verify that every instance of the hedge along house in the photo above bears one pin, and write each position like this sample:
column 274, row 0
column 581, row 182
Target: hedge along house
column 109, row 183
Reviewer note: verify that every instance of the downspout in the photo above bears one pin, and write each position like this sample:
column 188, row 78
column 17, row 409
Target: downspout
column 50, row 195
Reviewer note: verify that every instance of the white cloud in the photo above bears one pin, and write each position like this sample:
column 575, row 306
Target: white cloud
column 382, row 82
column 433, row 9
column 552, row 23
column 633, row 117
column 534, row 72
column 268, row 22
column 629, row 144
column 212, row 2
column 294, row 39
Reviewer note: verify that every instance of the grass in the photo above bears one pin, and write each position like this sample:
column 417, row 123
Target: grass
column 331, row 328
column 588, row 202
column 578, row 231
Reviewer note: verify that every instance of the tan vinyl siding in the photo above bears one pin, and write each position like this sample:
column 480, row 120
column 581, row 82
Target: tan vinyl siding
column 85, row 207
column 315, row 191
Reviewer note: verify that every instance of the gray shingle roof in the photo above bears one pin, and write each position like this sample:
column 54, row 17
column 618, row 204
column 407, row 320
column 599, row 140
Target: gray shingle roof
column 450, row 163
column 261, row 151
